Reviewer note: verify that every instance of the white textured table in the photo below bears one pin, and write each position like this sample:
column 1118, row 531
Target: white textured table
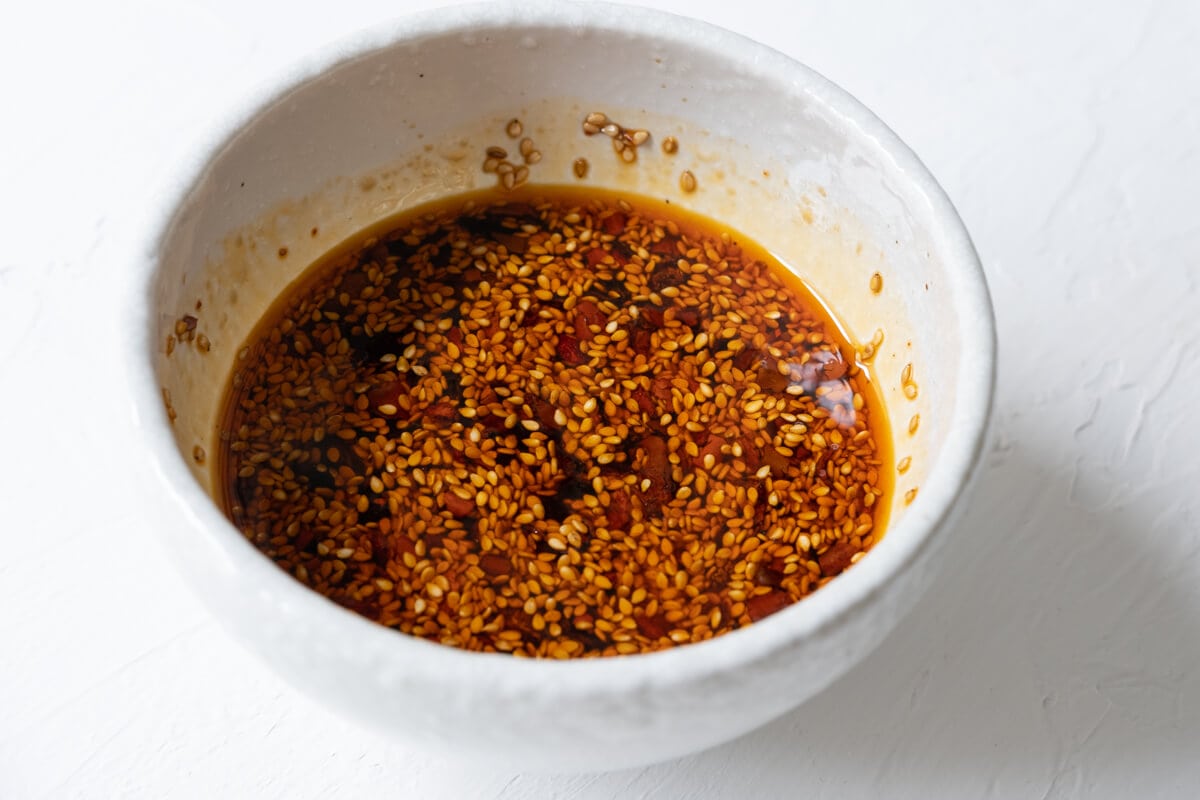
column 1058, row 657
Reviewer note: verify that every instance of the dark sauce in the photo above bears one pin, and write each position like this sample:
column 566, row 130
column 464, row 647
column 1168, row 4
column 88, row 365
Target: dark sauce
column 554, row 423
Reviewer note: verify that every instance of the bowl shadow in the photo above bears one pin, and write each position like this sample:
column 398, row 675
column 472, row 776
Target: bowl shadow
column 1056, row 649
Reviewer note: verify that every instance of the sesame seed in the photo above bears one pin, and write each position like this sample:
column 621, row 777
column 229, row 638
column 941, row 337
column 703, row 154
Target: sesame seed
column 585, row 433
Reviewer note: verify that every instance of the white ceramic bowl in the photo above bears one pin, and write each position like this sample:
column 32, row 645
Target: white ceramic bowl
column 402, row 114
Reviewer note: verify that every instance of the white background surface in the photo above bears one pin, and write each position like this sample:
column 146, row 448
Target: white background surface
column 1059, row 656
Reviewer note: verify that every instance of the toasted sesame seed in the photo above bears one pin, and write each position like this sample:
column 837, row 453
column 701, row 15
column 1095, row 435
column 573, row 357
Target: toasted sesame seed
column 876, row 283
column 514, row 128
column 687, row 181
column 670, row 145
column 514, row 465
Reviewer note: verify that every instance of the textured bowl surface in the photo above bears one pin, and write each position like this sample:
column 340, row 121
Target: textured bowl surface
column 402, row 114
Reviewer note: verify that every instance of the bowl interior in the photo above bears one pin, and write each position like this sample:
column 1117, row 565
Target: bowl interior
column 410, row 123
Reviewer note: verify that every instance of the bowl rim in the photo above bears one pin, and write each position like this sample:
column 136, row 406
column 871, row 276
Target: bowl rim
column 432, row 663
